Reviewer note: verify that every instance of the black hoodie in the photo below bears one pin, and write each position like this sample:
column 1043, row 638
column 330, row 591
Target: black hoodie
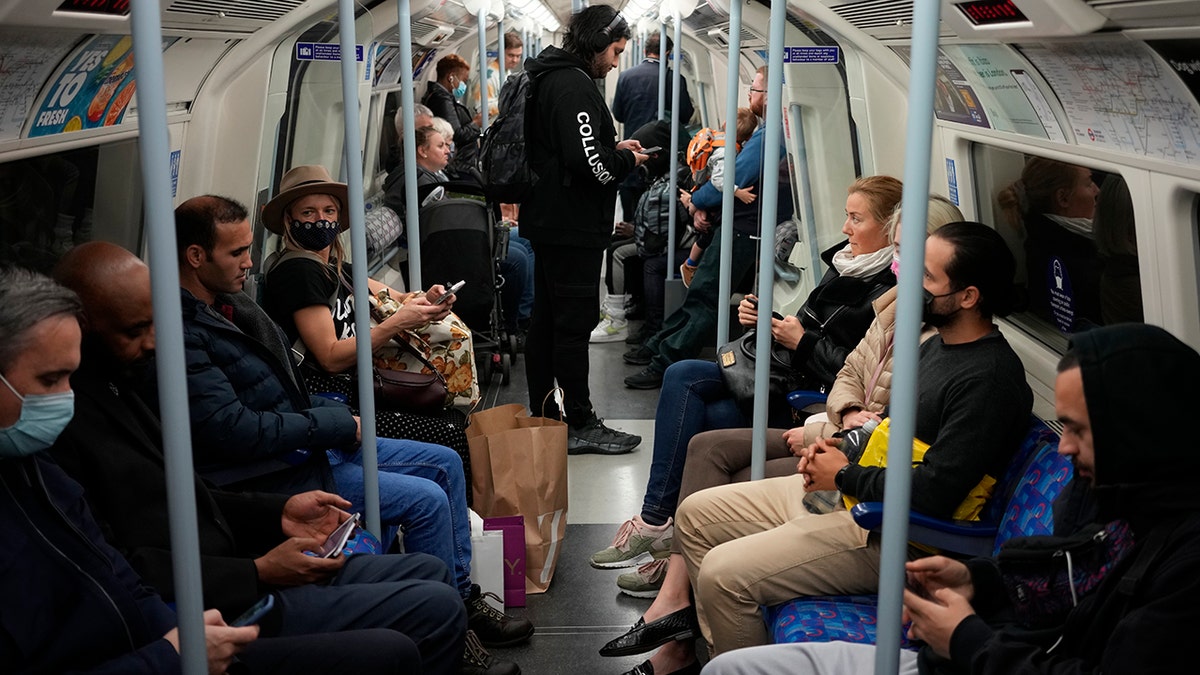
column 572, row 148
column 1146, row 475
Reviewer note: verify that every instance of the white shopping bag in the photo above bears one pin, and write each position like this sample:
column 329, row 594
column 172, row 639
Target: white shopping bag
column 487, row 559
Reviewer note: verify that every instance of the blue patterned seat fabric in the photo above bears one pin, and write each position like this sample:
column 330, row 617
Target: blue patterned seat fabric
column 1022, row 507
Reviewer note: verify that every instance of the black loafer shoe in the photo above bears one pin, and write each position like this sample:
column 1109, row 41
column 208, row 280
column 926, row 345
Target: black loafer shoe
column 678, row 625
column 638, row 356
column 646, row 378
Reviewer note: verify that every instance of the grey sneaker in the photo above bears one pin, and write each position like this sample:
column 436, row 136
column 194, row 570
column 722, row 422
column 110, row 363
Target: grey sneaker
column 637, row 542
column 593, row 437
column 646, row 581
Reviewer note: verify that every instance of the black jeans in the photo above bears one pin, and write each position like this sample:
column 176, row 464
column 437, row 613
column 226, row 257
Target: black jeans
column 654, row 276
column 566, row 307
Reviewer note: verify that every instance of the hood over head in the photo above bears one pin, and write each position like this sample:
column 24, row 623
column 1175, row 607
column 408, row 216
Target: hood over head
column 1132, row 374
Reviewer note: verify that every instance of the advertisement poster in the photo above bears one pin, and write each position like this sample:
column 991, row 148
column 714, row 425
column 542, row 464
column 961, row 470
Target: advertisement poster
column 94, row 91
column 954, row 98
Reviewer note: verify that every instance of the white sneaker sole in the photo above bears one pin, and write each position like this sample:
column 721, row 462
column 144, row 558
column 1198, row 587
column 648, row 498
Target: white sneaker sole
column 639, row 594
column 637, row 561
column 618, row 336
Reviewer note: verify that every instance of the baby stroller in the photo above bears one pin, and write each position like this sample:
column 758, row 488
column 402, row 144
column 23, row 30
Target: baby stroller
column 460, row 240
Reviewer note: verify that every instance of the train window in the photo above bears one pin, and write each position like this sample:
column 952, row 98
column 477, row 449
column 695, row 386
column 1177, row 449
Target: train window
column 50, row 203
column 1071, row 229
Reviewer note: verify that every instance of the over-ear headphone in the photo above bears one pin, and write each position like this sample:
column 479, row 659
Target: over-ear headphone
column 598, row 42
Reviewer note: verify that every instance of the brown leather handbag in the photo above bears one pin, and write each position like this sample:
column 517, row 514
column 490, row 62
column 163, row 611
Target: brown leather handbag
column 409, row 391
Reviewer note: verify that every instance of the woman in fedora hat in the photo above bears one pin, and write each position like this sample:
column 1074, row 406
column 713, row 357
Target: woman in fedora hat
column 308, row 292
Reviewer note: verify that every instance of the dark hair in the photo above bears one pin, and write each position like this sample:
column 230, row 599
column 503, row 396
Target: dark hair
column 512, row 40
column 1068, row 361
column 196, row 222
column 28, row 298
column 652, row 44
column 592, row 30
column 449, row 64
column 981, row 259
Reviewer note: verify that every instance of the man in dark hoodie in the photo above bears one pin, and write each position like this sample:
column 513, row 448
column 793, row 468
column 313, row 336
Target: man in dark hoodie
column 1136, row 618
column 569, row 217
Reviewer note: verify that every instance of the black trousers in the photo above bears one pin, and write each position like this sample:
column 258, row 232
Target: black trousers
column 566, row 307
column 375, row 651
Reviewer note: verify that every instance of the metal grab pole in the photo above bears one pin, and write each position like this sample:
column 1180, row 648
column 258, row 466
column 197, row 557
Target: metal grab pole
column 500, row 70
column 725, row 286
column 355, row 209
column 915, row 204
column 662, row 74
column 673, row 180
column 155, row 149
column 408, row 142
column 483, row 97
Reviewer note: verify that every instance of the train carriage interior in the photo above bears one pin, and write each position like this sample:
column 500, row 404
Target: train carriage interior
column 1105, row 90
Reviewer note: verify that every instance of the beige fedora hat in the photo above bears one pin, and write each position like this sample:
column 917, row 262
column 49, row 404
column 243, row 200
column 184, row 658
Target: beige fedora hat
column 302, row 181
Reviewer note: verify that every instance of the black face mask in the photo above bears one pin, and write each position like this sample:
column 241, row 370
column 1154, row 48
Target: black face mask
column 932, row 318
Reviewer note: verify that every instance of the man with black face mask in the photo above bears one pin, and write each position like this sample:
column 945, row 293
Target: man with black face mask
column 569, row 216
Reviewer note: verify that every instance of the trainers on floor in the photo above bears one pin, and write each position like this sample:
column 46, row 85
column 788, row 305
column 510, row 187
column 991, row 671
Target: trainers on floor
column 610, row 329
column 477, row 661
column 639, row 356
column 646, row 581
column 595, row 438
column 646, row 378
column 493, row 627
column 687, row 271
column 637, row 542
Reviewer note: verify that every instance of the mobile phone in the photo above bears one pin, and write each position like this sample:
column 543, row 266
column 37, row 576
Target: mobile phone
column 776, row 315
column 911, row 583
column 337, row 540
column 651, row 151
column 256, row 612
column 450, row 291
column 753, row 301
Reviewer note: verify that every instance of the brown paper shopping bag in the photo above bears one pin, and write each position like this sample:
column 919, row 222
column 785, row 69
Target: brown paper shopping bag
column 519, row 467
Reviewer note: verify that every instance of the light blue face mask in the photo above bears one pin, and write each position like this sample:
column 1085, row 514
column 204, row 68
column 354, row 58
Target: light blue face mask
column 43, row 418
column 461, row 90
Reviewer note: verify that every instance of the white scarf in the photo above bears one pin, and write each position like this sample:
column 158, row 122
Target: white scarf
column 863, row 265
column 1081, row 226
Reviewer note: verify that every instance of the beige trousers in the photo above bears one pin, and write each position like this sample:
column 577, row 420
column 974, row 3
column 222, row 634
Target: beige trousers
column 752, row 544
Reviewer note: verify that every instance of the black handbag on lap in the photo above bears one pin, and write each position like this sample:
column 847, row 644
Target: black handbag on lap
column 736, row 359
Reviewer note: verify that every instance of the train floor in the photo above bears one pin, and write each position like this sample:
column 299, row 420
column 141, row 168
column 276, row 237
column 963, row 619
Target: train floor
column 583, row 608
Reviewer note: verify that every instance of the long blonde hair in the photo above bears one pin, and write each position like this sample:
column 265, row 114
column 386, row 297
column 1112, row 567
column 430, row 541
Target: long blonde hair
column 941, row 212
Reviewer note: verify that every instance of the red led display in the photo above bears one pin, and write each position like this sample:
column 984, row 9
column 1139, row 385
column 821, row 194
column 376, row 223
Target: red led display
column 988, row 12
column 109, row 7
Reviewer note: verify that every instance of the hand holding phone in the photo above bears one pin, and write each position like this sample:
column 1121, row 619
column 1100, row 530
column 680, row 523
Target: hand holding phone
column 450, row 290
column 337, row 539
column 256, row 612
column 652, row 151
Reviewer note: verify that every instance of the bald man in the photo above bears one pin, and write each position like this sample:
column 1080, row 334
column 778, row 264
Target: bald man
column 113, row 446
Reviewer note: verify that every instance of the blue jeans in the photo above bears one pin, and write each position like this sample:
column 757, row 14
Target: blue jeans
column 421, row 489
column 516, row 294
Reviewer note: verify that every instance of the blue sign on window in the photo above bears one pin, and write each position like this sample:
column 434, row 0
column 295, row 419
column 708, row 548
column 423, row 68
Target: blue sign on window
column 812, row 54
column 323, row 51
column 952, row 181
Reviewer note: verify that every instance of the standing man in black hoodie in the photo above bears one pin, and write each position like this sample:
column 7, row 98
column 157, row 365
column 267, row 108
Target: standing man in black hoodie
column 569, row 216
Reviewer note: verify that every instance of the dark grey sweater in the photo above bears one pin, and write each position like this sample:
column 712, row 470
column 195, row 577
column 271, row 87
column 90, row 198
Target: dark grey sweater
column 973, row 409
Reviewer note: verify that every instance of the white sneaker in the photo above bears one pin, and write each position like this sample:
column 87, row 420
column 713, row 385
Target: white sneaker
column 610, row 329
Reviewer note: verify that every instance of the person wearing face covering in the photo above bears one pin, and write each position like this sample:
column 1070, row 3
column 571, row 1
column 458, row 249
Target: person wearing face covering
column 70, row 601
column 443, row 95
column 1139, row 617
column 747, row 545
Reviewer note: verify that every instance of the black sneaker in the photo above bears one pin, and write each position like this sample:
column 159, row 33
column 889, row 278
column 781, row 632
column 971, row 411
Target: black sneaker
column 647, row 378
column 595, row 438
column 493, row 627
column 639, row 356
column 477, row 661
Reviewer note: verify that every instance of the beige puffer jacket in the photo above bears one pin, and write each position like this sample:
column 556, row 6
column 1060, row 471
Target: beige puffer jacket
column 848, row 389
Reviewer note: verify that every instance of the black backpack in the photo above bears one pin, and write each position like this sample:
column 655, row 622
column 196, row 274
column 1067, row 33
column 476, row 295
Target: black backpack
column 651, row 220
column 503, row 157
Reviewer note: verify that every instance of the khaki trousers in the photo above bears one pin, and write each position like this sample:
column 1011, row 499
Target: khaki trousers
column 752, row 544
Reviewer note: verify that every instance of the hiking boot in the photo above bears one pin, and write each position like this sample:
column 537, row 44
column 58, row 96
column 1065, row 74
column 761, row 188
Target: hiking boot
column 595, row 438
column 636, row 543
column 646, row 378
column 687, row 272
column 493, row 627
column 639, row 356
column 646, row 581
column 477, row 661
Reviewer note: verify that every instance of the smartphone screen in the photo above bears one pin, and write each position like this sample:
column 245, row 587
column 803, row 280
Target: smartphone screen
column 651, row 151
column 337, row 540
column 256, row 612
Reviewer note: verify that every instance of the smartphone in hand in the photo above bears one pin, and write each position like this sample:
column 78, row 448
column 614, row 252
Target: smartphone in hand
column 256, row 612
column 337, row 540
column 652, row 151
column 450, row 290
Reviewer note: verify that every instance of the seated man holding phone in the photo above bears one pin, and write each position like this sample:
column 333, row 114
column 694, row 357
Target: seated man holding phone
column 250, row 543
column 71, row 602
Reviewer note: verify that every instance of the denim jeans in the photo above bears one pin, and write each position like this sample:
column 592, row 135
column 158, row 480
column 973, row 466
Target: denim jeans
column 421, row 489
